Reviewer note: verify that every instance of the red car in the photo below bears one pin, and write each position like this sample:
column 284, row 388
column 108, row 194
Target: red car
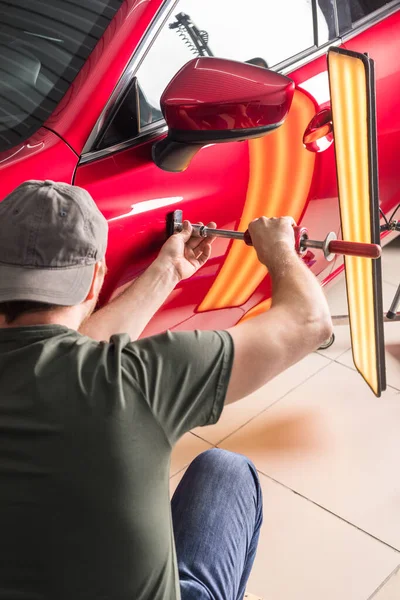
column 80, row 89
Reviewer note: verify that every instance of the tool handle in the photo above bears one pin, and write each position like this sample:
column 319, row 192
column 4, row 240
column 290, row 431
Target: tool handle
column 247, row 238
column 355, row 249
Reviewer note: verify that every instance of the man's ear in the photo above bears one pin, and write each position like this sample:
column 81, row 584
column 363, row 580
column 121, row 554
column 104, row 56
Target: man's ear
column 96, row 283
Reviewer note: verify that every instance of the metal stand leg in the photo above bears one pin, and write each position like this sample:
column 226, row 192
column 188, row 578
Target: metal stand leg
column 391, row 314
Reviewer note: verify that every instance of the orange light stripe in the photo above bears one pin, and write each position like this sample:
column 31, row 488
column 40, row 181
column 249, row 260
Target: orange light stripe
column 280, row 177
column 257, row 310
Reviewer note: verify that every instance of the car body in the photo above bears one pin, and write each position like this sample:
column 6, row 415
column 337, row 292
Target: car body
column 71, row 68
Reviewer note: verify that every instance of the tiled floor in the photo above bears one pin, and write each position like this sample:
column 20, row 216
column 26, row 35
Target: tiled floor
column 328, row 455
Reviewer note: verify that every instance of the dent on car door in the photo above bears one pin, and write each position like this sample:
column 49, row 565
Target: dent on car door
column 229, row 183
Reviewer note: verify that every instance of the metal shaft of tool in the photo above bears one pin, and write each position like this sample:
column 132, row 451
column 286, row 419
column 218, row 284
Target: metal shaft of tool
column 204, row 231
column 307, row 243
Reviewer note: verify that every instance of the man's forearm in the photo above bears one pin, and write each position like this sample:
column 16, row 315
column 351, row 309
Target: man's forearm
column 298, row 290
column 296, row 324
column 134, row 308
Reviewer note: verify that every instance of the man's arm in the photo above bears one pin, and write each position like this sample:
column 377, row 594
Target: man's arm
column 297, row 323
column 180, row 257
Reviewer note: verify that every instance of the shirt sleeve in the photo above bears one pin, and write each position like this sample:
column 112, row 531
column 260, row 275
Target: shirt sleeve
column 183, row 376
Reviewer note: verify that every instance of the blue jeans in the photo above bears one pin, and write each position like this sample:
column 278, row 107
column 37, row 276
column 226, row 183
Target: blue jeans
column 217, row 515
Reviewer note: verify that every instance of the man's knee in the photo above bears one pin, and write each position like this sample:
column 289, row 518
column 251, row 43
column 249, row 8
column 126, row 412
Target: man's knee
column 227, row 464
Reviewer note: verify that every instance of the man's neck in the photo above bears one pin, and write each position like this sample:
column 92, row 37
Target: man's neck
column 67, row 318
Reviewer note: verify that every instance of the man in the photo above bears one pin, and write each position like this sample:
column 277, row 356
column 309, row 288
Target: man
column 87, row 426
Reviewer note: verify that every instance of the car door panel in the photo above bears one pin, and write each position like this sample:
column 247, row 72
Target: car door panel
column 382, row 43
column 136, row 196
column 228, row 183
column 321, row 214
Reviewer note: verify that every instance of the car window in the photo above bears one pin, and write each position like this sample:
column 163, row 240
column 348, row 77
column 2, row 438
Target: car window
column 265, row 33
column 43, row 45
column 351, row 12
column 362, row 8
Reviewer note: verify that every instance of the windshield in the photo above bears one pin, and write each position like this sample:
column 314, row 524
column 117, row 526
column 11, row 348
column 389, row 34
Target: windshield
column 43, row 46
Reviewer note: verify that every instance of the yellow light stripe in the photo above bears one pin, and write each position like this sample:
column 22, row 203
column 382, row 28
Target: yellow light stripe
column 257, row 310
column 350, row 117
column 281, row 171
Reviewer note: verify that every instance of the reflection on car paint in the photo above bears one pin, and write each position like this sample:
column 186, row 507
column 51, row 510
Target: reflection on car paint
column 147, row 205
column 281, row 172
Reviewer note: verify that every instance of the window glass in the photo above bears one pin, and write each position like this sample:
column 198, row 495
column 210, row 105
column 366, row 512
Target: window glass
column 352, row 11
column 269, row 32
column 43, row 45
column 359, row 9
column 362, row 8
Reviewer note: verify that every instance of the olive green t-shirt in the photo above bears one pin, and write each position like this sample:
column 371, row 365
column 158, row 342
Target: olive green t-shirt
column 86, row 431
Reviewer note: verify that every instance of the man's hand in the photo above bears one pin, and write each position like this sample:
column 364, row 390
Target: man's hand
column 272, row 239
column 184, row 252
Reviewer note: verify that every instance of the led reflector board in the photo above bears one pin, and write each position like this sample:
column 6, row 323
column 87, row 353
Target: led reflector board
column 352, row 88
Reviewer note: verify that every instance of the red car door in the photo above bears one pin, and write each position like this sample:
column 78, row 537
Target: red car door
column 228, row 183
column 372, row 26
column 377, row 33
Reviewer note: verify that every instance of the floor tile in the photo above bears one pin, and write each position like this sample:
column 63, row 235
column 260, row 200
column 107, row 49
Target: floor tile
column 332, row 441
column 336, row 296
column 391, row 262
column 391, row 589
column 236, row 415
column 188, row 447
column 389, row 290
column 337, row 299
column 304, row 549
column 392, row 345
column 305, row 553
column 341, row 344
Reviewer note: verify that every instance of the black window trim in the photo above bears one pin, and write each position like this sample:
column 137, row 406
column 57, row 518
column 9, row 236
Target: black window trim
column 159, row 128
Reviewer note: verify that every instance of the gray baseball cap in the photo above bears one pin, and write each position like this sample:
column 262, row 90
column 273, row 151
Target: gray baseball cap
column 51, row 237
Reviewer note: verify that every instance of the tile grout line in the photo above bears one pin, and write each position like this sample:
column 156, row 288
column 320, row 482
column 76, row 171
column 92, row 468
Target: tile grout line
column 177, row 473
column 202, row 439
column 268, row 407
column 390, row 283
column 354, row 370
column 330, row 512
column 382, row 585
column 338, row 356
column 190, row 461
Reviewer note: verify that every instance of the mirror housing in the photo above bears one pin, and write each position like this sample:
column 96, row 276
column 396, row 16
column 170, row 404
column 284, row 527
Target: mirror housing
column 214, row 100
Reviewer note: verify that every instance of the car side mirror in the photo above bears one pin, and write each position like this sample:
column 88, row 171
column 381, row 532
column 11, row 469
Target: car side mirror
column 214, row 100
